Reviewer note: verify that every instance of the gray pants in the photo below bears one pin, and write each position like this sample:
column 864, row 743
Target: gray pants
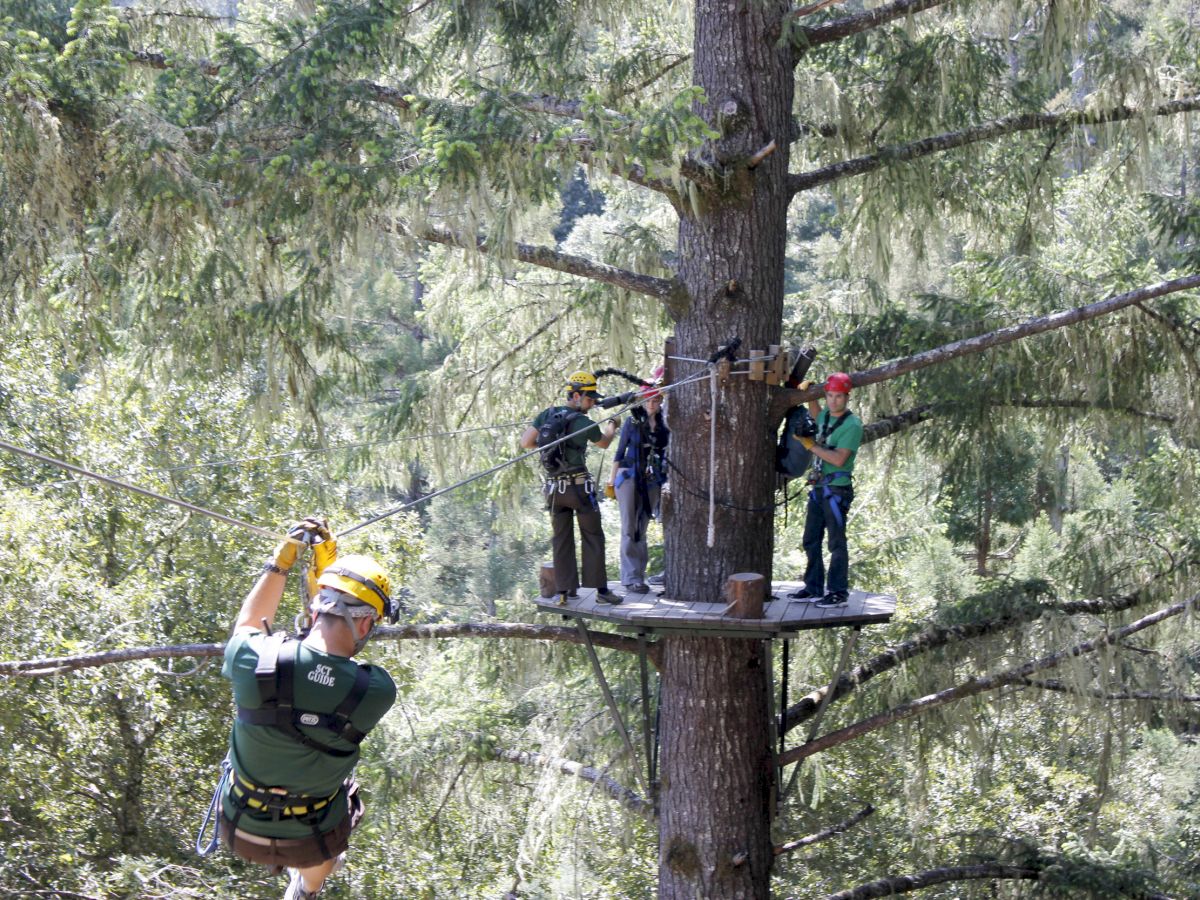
column 575, row 501
column 634, row 519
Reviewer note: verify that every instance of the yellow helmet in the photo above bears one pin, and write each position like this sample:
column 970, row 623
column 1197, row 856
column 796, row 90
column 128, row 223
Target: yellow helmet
column 584, row 382
column 362, row 578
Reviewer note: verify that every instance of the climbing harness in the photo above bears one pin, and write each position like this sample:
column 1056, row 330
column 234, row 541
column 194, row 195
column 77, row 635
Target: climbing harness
column 274, row 675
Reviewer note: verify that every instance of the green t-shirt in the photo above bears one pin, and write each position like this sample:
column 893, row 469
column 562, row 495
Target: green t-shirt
column 582, row 430
column 267, row 757
column 848, row 436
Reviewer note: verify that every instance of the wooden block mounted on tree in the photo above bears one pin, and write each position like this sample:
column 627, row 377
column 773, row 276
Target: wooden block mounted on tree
column 546, row 583
column 773, row 375
column 744, row 592
column 758, row 366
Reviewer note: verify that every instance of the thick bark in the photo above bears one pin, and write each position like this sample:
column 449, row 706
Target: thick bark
column 716, row 776
column 716, row 771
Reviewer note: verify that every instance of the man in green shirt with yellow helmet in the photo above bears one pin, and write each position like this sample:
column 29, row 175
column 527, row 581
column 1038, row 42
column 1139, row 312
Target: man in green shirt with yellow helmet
column 304, row 706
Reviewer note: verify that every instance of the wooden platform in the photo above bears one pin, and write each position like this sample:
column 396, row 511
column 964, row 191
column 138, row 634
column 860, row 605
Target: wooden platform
column 654, row 613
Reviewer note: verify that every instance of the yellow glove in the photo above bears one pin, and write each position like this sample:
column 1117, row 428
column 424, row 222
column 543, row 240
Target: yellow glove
column 807, row 443
column 804, row 385
column 314, row 532
column 610, row 492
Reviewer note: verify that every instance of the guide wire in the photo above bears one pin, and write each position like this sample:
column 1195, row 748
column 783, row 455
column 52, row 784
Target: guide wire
column 153, row 495
column 510, row 462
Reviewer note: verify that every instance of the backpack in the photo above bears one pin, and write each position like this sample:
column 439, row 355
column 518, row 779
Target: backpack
column 555, row 428
column 791, row 459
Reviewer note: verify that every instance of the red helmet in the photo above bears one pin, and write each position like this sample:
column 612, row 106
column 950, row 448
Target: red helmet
column 839, row 382
column 649, row 392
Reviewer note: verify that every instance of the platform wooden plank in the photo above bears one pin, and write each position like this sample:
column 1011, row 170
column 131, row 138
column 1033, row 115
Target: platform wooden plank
column 653, row 612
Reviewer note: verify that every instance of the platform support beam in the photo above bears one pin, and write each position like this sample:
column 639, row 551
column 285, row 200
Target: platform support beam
column 611, row 701
column 648, row 730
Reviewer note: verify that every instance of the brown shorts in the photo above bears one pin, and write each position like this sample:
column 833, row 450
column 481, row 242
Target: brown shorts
column 296, row 853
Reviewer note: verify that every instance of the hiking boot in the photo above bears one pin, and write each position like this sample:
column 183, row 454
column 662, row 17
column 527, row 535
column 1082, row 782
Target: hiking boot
column 296, row 889
column 805, row 594
column 834, row 598
column 639, row 588
column 604, row 595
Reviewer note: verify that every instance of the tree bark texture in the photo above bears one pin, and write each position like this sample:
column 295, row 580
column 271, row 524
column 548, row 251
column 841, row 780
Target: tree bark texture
column 716, row 770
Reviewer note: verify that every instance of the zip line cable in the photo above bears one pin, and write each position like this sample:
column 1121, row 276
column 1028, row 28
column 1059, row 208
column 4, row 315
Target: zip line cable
column 264, row 532
column 358, row 446
column 153, row 495
column 511, row 462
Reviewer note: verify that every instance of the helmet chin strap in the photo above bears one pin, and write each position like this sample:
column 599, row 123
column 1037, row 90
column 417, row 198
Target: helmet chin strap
column 334, row 602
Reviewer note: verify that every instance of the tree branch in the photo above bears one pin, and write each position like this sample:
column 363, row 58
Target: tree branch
column 1031, row 403
column 1008, row 335
column 837, row 829
column 977, row 685
column 492, row 630
column 402, row 99
column 617, row 791
column 1059, row 687
column 816, row 35
column 902, row 884
column 987, row 131
column 886, row 427
column 669, row 290
column 941, row 636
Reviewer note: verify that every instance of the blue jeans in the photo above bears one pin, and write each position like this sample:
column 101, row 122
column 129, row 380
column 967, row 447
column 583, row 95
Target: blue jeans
column 828, row 509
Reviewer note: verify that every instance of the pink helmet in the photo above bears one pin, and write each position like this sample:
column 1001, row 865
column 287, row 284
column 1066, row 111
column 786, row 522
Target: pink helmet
column 839, row 382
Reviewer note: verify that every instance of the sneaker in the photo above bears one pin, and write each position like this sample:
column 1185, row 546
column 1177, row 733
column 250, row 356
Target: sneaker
column 834, row 598
column 805, row 594
column 296, row 889
column 639, row 588
column 656, row 580
column 604, row 595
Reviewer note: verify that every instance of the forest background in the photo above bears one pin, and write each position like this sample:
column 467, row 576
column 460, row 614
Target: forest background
column 228, row 273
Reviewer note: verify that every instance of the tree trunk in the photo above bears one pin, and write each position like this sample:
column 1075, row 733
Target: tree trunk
column 714, row 832
column 716, row 771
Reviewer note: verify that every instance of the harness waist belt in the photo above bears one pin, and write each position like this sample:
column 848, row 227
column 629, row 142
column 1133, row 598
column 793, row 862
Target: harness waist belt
column 275, row 799
column 577, row 478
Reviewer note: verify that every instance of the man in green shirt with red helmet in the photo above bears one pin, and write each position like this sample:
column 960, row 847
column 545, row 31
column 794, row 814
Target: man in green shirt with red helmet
column 304, row 706
column 835, row 448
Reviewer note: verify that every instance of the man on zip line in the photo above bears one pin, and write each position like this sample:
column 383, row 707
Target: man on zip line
column 304, row 707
